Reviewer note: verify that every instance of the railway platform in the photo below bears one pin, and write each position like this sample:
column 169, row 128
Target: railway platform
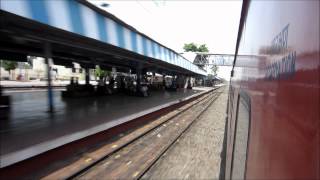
column 27, row 134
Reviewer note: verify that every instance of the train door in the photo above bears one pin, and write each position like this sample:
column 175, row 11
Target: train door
column 238, row 140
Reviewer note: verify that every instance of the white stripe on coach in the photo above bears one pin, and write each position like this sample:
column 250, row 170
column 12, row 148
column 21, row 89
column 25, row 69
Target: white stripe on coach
column 89, row 22
column 139, row 44
column 149, row 48
column 127, row 38
column 19, row 7
column 112, row 32
column 61, row 19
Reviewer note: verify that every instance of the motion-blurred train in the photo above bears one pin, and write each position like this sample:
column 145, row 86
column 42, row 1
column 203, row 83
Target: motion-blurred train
column 273, row 127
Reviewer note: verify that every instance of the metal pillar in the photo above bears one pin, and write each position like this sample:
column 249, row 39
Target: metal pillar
column 0, row 78
column 185, row 82
column 190, row 84
column 152, row 78
column 138, row 71
column 48, row 56
column 87, row 73
column 113, row 77
column 0, row 74
column 178, row 80
column 204, row 81
column 164, row 80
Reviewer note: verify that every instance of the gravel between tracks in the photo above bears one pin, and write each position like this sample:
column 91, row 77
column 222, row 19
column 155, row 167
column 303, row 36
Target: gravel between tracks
column 197, row 153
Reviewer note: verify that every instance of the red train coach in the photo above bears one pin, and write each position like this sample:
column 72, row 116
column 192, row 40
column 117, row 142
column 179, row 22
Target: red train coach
column 274, row 99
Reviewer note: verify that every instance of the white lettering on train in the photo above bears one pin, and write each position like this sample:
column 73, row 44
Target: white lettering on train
column 284, row 67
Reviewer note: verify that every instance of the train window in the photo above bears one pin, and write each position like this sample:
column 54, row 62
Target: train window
column 241, row 137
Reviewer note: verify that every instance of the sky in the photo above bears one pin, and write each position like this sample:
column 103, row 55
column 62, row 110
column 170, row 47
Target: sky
column 174, row 23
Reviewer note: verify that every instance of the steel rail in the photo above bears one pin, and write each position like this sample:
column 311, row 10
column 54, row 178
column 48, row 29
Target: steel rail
column 202, row 101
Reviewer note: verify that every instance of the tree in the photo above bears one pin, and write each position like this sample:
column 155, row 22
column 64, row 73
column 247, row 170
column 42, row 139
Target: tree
column 203, row 48
column 99, row 72
column 199, row 61
column 9, row 66
column 192, row 47
column 102, row 74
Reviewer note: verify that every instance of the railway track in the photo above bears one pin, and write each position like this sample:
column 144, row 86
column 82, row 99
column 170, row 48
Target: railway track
column 132, row 154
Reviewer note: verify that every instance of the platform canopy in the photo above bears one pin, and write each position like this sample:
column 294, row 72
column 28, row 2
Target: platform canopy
column 79, row 31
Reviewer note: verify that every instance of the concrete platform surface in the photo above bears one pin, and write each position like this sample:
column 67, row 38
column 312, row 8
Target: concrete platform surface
column 197, row 154
column 31, row 130
column 37, row 83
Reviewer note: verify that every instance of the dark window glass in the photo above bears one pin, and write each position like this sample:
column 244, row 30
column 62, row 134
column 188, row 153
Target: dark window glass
column 241, row 138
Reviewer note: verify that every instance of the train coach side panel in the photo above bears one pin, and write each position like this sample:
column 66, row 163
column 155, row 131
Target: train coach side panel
column 280, row 73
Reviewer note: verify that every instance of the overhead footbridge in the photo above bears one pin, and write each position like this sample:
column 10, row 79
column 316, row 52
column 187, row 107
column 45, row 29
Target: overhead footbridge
column 70, row 31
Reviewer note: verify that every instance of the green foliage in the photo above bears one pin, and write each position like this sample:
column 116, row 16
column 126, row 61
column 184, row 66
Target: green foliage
column 192, row 47
column 9, row 65
column 101, row 73
column 203, row 48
